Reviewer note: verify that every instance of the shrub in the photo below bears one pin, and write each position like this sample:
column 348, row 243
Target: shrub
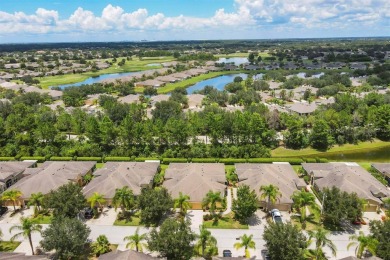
column 232, row 161
column 323, row 160
column 310, row 160
column 36, row 158
column 174, row 160
column 204, row 160
column 117, row 159
column 142, row 159
column 207, row 217
column 7, row 158
column 95, row 159
column 293, row 161
column 57, row 158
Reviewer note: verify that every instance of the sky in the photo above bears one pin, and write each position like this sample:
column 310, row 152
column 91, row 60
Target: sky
column 134, row 20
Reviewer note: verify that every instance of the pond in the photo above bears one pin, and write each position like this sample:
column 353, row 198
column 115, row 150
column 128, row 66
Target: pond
column 219, row 82
column 236, row 60
column 381, row 154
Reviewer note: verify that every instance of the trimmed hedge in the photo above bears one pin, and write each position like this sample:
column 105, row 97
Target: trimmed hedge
column 142, row 159
column 36, row 158
column 310, row 160
column 95, row 159
column 117, row 159
column 323, row 160
column 57, row 158
column 292, row 161
column 174, row 160
column 204, row 160
column 232, row 161
column 7, row 159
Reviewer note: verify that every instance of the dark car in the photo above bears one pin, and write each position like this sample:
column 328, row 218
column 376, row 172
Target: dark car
column 88, row 213
column 265, row 255
column 3, row 210
column 227, row 253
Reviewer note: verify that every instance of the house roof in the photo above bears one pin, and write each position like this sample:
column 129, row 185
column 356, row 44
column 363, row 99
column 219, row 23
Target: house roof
column 20, row 256
column 195, row 100
column 150, row 83
column 116, row 175
column 195, row 179
column 50, row 176
column 7, row 169
column 126, row 255
column 129, row 99
column 302, row 108
column 348, row 177
column 159, row 98
column 384, row 168
column 280, row 175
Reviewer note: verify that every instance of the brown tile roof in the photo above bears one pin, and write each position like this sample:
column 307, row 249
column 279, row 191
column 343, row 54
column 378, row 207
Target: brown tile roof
column 384, row 168
column 9, row 168
column 126, row 255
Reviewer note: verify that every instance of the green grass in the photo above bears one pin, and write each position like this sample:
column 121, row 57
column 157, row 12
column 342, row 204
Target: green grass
column 312, row 224
column 297, row 168
column 226, row 222
column 229, row 168
column 283, row 152
column 43, row 219
column 134, row 221
column 99, row 165
column 8, row 246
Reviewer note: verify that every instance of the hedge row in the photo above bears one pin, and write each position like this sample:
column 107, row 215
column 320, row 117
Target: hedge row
column 204, row 160
column 39, row 159
column 83, row 159
column 292, row 161
column 57, row 158
column 174, row 160
column 7, row 159
column 118, row 159
column 142, row 159
column 231, row 161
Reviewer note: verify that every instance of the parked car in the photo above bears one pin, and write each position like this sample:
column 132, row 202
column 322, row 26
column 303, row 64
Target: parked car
column 88, row 213
column 265, row 255
column 3, row 210
column 227, row 253
column 276, row 216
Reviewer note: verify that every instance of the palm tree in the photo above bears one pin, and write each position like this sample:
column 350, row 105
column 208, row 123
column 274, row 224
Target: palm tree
column 211, row 200
column 135, row 241
column 123, row 198
column 101, row 246
column 27, row 227
column 364, row 243
column 12, row 195
column 322, row 240
column 36, row 200
column 182, row 203
column 207, row 244
column 246, row 242
column 96, row 200
column 270, row 192
column 302, row 199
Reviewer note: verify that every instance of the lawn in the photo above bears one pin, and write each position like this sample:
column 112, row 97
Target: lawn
column 8, row 246
column 133, row 221
column 229, row 168
column 99, row 165
column 312, row 224
column 226, row 222
column 43, row 219
column 350, row 148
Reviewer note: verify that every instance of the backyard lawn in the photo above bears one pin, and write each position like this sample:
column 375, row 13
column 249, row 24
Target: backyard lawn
column 134, row 220
column 226, row 222
column 8, row 246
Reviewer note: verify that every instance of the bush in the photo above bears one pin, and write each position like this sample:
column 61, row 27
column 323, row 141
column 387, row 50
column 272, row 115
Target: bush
column 174, row 160
column 292, row 161
column 7, row 159
column 204, row 160
column 57, row 158
column 142, row 159
column 117, row 159
column 207, row 217
column 95, row 159
column 310, row 160
column 323, row 160
column 36, row 158
column 232, row 161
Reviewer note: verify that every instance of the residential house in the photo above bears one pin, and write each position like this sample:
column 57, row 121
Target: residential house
column 281, row 175
column 195, row 180
column 302, row 108
column 348, row 177
column 383, row 168
column 129, row 99
column 11, row 172
column 126, row 255
column 150, row 83
column 116, row 175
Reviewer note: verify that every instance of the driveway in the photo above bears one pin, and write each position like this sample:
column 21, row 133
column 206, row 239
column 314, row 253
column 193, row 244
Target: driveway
column 107, row 217
column 196, row 218
column 15, row 219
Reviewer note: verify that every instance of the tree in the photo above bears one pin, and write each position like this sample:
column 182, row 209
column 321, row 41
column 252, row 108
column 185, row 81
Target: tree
column 380, row 231
column 363, row 243
column 165, row 110
column 246, row 242
column 207, row 244
column 124, row 199
column 154, row 204
column 11, row 195
column 101, row 246
column 66, row 201
column 270, row 192
column 96, row 200
column 174, row 240
column 182, row 203
column 321, row 137
column 211, row 200
column 321, row 241
column 27, row 227
column 285, row 242
column 245, row 204
column 135, row 241
column 36, row 199
column 303, row 199
column 67, row 236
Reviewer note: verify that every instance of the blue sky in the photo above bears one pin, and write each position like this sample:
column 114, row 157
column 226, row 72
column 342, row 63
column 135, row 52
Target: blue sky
column 133, row 20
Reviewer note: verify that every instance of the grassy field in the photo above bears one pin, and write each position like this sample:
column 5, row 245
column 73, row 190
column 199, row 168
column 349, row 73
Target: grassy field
column 347, row 148
column 130, row 66
column 8, row 246
column 226, row 222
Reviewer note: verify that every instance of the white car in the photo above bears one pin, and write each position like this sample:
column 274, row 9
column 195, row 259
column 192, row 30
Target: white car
column 276, row 216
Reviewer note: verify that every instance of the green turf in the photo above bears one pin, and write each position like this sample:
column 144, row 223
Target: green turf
column 226, row 222
column 8, row 246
